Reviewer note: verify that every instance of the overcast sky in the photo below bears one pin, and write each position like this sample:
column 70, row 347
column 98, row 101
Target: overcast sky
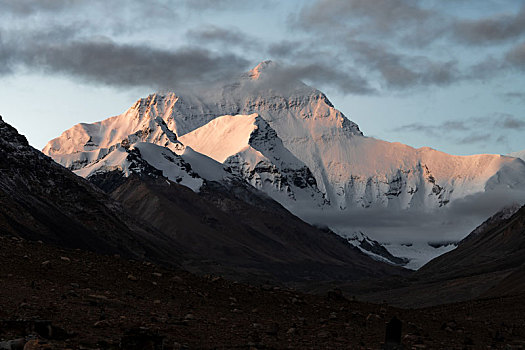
column 443, row 74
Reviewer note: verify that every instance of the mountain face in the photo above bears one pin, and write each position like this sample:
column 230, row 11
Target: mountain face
column 251, row 149
column 287, row 139
column 488, row 263
column 240, row 232
column 496, row 245
column 162, row 210
column 40, row 200
column 373, row 248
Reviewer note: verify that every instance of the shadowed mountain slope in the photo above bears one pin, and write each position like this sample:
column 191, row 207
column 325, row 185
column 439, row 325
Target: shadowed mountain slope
column 227, row 227
column 41, row 200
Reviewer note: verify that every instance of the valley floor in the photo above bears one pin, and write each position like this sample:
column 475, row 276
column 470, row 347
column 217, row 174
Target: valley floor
column 90, row 301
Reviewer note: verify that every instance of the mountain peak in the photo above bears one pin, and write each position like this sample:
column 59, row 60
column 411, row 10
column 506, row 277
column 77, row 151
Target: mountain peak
column 256, row 72
column 9, row 136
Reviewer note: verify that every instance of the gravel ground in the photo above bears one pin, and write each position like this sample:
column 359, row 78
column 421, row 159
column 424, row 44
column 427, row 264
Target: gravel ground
column 69, row 299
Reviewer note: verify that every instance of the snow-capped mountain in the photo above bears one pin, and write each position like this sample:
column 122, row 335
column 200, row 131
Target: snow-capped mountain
column 288, row 140
column 143, row 157
column 350, row 170
column 40, row 200
column 373, row 248
column 227, row 228
column 249, row 147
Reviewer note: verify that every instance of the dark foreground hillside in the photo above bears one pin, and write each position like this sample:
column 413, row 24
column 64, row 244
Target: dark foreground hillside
column 70, row 299
column 489, row 262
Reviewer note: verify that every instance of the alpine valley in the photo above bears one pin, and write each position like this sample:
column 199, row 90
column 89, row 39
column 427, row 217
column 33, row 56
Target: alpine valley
column 287, row 140
column 253, row 214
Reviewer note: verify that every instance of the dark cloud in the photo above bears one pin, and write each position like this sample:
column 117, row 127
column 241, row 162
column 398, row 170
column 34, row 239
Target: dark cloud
column 314, row 64
column 514, row 96
column 211, row 34
column 354, row 46
column 106, row 62
column 468, row 130
column 284, row 49
column 508, row 121
column 455, row 125
column 365, row 32
column 226, row 4
column 490, row 30
column 409, row 21
column 474, row 138
column 405, row 22
column 488, row 68
column 401, row 70
column 429, row 130
column 360, row 29
column 443, row 129
column 115, row 17
column 502, row 139
column 28, row 7
column 516, row 56
column 344, row 80
column 394, row 70
column 283, row 78
column 383, row 16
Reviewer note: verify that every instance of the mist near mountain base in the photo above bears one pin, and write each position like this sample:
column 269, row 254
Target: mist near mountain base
column 447, row 224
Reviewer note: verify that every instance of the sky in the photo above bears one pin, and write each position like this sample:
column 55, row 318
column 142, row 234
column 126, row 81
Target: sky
column 442, row 74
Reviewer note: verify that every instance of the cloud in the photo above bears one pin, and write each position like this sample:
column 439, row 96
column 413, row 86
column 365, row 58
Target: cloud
column 508, row 121
column 514, row 96
column 436, row 130
column 235, row 5
column 449, row 223
column 285, row 76
column 345, row 80
column 359, row 31
column 516, row 56
column 468, row 130
column 211, row 34
column 403, row 71
column 394, row 71
column 28, row 7
column 354, row 46
column 380, row 16
column 490, row 30
column 502, row 139
column 104, row 61
column 427, row 39
column 413, row 23
column 473, row 139
column 115, row 17
column 284, row 49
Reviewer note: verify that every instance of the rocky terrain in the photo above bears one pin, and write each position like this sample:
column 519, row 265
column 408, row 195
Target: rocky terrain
column 54, row 298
